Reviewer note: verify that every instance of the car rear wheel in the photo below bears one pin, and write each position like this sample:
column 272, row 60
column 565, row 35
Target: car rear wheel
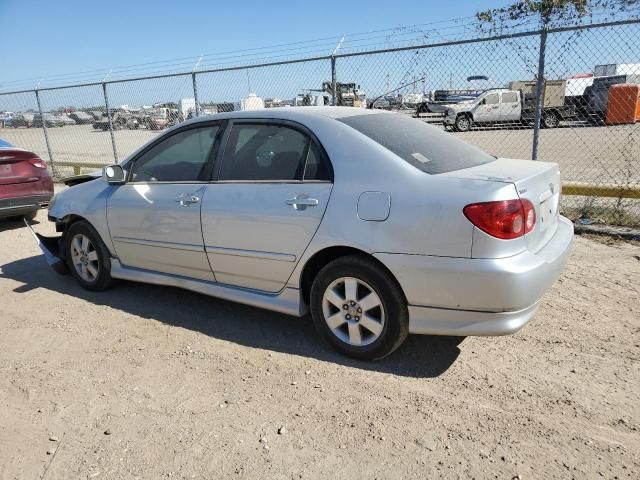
column 550, row 120
column 87, row 257
column 359, row 308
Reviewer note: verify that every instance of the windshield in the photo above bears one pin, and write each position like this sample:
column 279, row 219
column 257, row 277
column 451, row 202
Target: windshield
column 424, row 146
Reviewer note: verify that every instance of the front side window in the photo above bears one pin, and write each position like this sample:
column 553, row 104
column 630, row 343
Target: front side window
column 182, row 157
column 491, row 99
column 264, row 152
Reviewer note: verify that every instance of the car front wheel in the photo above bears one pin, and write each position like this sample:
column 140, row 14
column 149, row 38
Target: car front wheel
column 463, row 123
column 358, row 307
column 87, row 257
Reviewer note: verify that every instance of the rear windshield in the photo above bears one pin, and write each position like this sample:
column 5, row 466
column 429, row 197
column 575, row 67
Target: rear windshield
column 424, row 146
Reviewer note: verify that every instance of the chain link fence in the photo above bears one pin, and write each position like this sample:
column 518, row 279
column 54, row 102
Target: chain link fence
column 568, row 95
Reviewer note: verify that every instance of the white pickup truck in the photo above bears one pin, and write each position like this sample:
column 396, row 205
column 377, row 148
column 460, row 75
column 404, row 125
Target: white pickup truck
column 502, row 105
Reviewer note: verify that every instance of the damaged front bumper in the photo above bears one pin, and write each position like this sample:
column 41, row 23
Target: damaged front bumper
column 50, row 247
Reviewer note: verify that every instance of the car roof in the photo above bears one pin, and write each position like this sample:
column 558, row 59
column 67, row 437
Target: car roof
column 291, row 113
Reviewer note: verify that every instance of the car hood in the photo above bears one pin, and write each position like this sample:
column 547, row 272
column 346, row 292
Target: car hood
column 78, row 179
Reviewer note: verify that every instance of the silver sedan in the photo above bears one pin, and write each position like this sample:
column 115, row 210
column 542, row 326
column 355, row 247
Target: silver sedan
column 376, row 223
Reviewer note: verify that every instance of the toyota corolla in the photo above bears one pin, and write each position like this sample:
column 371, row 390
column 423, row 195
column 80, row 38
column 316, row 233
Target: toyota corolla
column 377, row 224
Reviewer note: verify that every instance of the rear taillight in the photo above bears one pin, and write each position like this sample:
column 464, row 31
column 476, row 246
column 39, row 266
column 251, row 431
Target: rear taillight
column 36, row 162
column 505, row 219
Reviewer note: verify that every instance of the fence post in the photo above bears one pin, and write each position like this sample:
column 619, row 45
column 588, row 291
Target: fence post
column 113, row 137
column 46, row 133
column 333, row 80
column 195, row 93
column 539, row 93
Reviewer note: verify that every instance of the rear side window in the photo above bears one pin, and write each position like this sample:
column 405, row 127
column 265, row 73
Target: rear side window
column 316, row 168
column 271, row 152
column 424, row 146
column 509, row 97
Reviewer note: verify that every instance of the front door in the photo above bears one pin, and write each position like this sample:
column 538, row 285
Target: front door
column 260, row 215
column 489, row 109
column 154, row 219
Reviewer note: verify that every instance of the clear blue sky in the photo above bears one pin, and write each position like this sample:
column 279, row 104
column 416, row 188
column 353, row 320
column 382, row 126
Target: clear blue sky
column 43, row 38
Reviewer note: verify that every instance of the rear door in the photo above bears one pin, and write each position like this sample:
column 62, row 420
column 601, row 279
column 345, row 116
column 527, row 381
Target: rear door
column 510, row 106
column 154, row 219
column 258, row 217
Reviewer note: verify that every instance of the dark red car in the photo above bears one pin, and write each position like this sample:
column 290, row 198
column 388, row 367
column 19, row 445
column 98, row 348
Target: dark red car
column 25, row 183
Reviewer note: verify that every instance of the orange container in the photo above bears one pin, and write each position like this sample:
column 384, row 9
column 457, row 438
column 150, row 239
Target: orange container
column 623, row 105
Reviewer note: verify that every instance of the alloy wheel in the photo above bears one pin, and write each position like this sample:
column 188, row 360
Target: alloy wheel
column 84, row 257
column 353, row 311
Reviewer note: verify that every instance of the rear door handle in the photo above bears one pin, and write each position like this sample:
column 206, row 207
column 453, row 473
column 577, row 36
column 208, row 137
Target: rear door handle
column 301, row 202
column 187, row 199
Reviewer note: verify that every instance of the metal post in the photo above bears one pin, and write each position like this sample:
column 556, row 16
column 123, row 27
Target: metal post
column 46, row 133
column 539, row 93
column 333, row 80
column 195, row 93
column 113, row 137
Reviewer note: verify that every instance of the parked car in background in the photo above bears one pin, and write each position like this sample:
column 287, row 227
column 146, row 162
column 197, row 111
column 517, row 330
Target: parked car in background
column 156, row 118
column 25, row 183
column 96, row 114
column 65, row 119
column 81, row 118
column 22, row 120
column 379, row 224
column 6, row 119
column 443, row 98
column 119, row 119
column 48, row 119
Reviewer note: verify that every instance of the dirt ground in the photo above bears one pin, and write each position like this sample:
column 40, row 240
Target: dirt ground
column 151, row 382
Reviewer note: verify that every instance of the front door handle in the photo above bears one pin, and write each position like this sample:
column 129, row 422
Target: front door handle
column 301, row 202
column 187, row 199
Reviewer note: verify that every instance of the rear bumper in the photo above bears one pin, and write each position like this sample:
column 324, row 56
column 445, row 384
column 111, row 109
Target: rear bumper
column 466, row 296
column 22, row 205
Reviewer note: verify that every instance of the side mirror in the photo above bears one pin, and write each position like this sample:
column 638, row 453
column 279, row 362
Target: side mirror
column 114, row 174
column 483, row 102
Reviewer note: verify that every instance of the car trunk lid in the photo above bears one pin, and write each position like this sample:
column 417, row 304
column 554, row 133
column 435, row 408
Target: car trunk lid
column 15, row 167
column 538, row 182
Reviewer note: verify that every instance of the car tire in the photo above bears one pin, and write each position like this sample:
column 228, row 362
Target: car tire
column 373, row 321
column 87, row 257
column 463, row 123
column 550, row 120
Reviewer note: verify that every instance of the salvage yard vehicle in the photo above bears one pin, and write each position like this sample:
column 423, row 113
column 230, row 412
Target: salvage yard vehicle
column 119, row 119
column 25, row 183
column 49, row 120
column 376, row 223
column 442, row 99
column 515, row 105
column 81, row 118
column 597, row 95
column 22, row 120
